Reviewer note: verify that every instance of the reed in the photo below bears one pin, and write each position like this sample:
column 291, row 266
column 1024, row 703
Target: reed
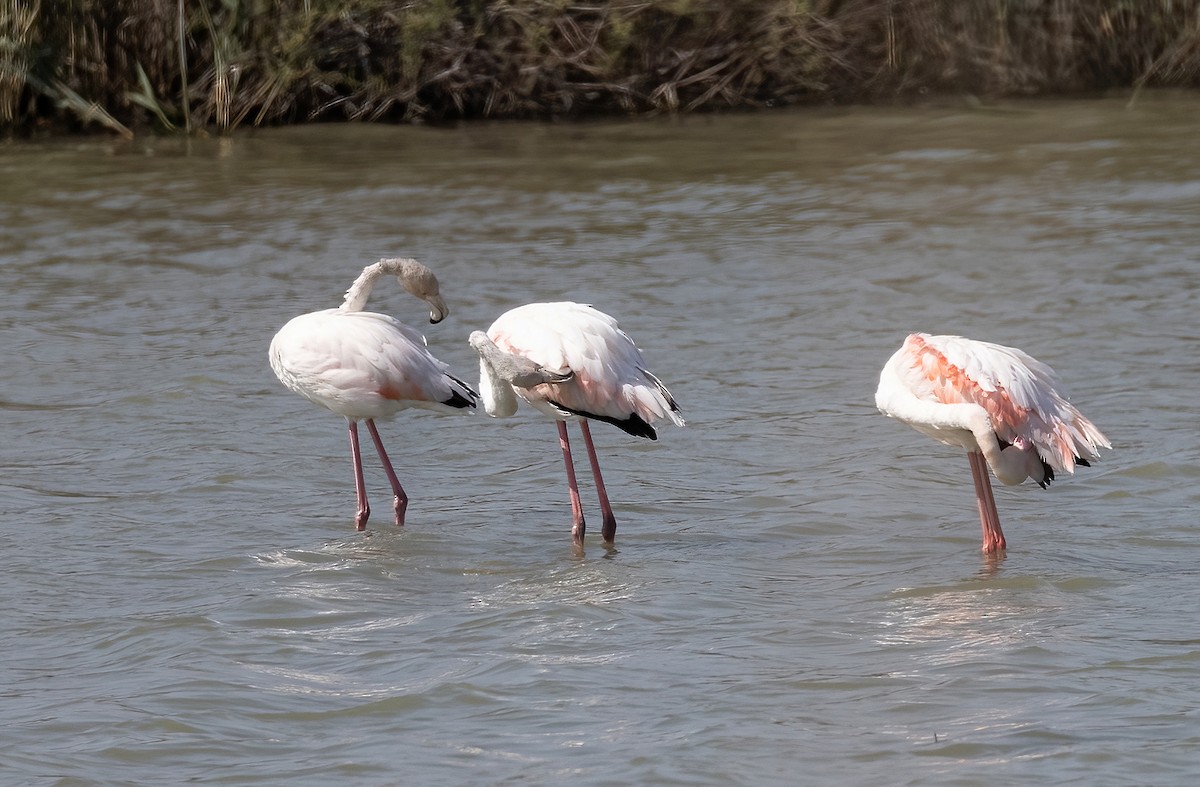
column 219, row 64
column 17, row 38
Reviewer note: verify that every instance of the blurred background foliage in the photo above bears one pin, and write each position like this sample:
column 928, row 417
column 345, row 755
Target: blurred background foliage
column 218, row 64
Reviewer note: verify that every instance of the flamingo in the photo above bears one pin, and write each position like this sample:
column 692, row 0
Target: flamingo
column 1004, row 407
column 363, row 365
column 573, row 363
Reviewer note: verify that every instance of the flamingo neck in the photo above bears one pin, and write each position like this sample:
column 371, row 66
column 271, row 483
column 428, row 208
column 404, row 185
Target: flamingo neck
column 360, row 290
column 969, row 426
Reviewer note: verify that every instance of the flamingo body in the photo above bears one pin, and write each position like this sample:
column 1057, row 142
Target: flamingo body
column 609, row 377
column 1005, row 408
column 572, row 362
column 364, row 365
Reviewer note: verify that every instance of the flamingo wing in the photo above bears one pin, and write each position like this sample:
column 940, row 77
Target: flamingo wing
column 363, row 365
column 1021, row 395
column 610, row 381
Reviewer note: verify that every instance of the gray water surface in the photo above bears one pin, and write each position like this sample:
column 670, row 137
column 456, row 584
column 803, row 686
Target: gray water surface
column 796, row 591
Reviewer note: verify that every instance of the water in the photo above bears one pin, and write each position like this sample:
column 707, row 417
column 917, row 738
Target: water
column 796, row 591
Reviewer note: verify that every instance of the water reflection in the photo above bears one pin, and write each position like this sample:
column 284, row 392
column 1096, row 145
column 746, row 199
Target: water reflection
column 974, row 620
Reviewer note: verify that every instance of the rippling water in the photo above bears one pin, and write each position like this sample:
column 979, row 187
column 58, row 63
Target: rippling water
column 796, row 589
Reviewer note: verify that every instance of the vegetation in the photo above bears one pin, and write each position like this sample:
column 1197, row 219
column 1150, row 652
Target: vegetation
column 220, row 64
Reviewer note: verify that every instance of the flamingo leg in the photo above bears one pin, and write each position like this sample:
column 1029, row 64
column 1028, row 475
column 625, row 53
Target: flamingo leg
column 608, row 528
column 997, row 533
column 577, row 524
column 983, row 499
column 989, row 518
column 400, row 500
column 363, row 512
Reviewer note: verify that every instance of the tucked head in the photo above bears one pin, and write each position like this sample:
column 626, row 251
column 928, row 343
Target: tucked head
column 515, row 369
column 480, row 341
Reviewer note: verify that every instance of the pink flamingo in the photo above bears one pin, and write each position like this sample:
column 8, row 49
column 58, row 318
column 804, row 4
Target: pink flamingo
column 1001, row 405
column 572, row 362
column 363, row 365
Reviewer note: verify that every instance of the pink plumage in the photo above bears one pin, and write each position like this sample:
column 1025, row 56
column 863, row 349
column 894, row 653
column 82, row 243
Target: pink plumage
column 610, row 381
column 572, row 362
column 1005, row 408
column 360, row 364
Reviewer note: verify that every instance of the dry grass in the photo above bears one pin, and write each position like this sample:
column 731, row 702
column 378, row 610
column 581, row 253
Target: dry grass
column 135, row 63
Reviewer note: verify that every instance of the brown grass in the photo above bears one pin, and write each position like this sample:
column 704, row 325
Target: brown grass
column 67, row 64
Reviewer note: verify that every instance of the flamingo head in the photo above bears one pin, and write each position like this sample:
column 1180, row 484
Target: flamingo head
column 421, row 282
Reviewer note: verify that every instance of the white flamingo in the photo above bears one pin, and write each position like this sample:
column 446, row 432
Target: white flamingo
column 363, row 365
column 1004, row 407
column 572, row 362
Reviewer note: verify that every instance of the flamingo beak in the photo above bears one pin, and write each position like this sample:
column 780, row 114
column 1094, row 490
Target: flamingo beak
column 437, row 309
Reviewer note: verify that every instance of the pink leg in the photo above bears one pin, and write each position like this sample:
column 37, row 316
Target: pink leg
column 978, row 468
column 360, row 487
column 400, row 501
column 997, row 533
column 577, row 523
column 989, row 518
column 608, row 527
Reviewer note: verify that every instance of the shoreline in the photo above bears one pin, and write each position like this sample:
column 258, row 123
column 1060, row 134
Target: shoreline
column 175, row 67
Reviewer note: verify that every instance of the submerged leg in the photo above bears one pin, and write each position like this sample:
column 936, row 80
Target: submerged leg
column 363, row 511
column 982, row 499
column 997, row 533
column 608, row 526
column 400, row 501
column 577, row 523
column 989, row 518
